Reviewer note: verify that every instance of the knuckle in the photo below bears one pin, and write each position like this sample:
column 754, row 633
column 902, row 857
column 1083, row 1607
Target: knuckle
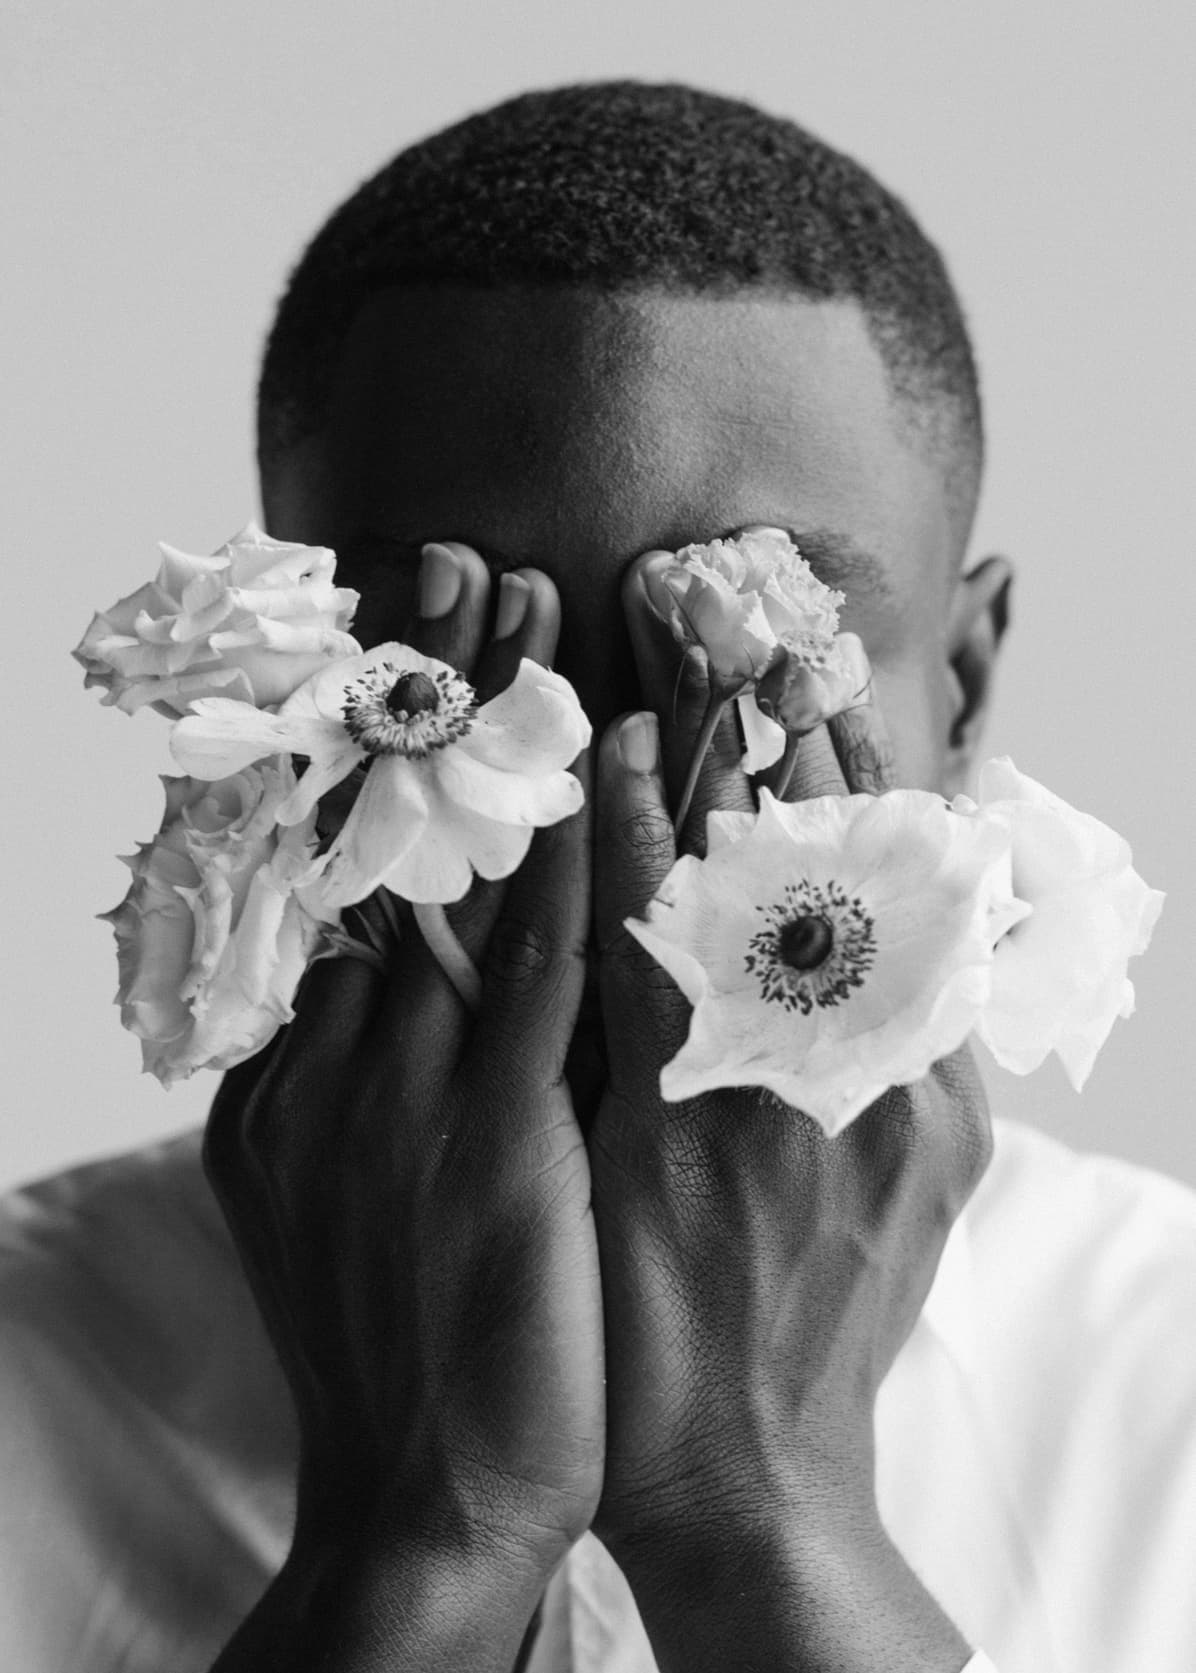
column 521, row 951
column 867, row 761
column 646, row 833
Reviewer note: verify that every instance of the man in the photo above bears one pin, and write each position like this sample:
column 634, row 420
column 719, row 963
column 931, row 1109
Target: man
column 476, row 1295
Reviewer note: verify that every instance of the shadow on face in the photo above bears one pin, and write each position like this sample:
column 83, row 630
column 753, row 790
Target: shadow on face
column 571, row 430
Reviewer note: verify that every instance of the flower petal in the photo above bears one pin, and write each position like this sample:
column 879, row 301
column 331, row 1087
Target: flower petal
column 440, row 864
column 535, row 726
column 220, row 737
column 763, row 739
column 908, row 889
column 511, row 798
column 385, row 821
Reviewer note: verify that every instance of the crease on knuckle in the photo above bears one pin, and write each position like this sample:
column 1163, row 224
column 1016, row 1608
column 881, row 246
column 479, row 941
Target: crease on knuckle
column 646, row 833
column 521, row 952
column 867, row 763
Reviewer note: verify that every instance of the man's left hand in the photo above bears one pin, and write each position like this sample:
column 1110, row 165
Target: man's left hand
column 758, row 1277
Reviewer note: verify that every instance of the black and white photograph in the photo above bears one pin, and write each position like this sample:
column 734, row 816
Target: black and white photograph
column 599, row 900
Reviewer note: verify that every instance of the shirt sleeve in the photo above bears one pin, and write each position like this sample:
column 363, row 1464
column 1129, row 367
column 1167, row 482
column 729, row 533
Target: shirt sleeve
column 979, row 1664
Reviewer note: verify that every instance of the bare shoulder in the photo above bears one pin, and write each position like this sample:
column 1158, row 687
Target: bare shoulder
column 146, row 1431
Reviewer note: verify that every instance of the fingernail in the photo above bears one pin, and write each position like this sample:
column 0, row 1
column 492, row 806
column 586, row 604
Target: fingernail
column 439, row 581
column 639, row 742
column 513, row 597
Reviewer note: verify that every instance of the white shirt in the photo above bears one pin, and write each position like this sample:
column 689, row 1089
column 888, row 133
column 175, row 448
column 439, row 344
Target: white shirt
column 1036, row 1437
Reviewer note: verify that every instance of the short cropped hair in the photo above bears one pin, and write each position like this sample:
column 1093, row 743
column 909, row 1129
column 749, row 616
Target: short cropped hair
column 626, row 186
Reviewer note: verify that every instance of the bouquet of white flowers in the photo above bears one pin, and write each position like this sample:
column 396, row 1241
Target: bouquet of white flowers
column 830, row 948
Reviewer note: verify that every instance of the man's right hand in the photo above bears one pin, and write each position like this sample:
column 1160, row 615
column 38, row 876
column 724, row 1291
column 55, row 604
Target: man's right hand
column 409, row 1192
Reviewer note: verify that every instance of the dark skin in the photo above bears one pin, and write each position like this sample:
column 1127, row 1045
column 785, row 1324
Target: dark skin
column 450, row 1242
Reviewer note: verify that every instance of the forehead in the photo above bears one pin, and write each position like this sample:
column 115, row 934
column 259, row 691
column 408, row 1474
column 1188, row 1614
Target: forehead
column 572, row 430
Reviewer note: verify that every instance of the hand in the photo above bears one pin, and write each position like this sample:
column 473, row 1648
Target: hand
column 409, row 1193
column 758, row 1278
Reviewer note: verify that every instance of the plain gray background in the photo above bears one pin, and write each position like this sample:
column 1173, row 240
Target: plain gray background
column 164, row 166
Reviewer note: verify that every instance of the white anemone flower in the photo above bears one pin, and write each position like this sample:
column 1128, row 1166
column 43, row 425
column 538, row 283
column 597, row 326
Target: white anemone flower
column 830, row 948
column 452, row 788
column 1059, row 977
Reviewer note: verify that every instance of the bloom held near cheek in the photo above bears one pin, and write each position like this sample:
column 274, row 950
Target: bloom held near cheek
column 745, row 602
column 251, row 622
column 1059, row 977
column 218, row 924
column 830, row 948
column 452, row 789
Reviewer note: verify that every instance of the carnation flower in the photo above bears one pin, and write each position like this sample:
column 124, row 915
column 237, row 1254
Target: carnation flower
column 451, row 788
column 794, row 697
column 216, row 929
column 251, row 622
column 830, row 948
column 744, row 602
column 1059, row 976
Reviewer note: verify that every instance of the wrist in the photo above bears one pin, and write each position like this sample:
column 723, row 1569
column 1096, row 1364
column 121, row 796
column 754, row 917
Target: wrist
column 412, row 1598
column 810, row 1594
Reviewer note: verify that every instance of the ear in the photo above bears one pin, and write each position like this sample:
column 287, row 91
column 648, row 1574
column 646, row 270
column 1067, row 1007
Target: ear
column 977, row 623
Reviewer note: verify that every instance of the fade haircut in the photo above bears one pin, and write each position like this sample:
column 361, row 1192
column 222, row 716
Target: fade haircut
column 621, row 186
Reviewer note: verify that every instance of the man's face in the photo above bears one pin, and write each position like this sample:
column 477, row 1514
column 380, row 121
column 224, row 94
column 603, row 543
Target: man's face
column 571, row 431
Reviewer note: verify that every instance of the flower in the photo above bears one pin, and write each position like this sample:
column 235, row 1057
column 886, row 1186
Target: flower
column 1059, row 977
column 451, row 788
column 746, row 601
column 252, row 622
column 830, row 948
column 795, row 697
column 216, row 928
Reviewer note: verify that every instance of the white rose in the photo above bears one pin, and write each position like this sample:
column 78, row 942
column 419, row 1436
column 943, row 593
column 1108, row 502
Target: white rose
column 746, row 602
column 251, row 622
column 213, row 934
column 1059, row 976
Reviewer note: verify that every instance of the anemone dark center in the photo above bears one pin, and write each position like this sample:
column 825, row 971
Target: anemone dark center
column 805, row 942
column 412, row 694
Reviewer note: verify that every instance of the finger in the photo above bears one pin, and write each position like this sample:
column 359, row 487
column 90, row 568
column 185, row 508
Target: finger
column 674, row 685
column 634, row 850
column 453, row 599
column 863, row 749
column 527, row 623
column 422, row 1004
column 534, row 969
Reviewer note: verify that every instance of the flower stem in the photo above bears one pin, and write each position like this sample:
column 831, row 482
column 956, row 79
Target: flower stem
column 448, row 952
column 787, row 763
column 715, row 704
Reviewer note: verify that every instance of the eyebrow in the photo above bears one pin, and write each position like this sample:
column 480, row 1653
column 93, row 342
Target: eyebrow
column 841, row 562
